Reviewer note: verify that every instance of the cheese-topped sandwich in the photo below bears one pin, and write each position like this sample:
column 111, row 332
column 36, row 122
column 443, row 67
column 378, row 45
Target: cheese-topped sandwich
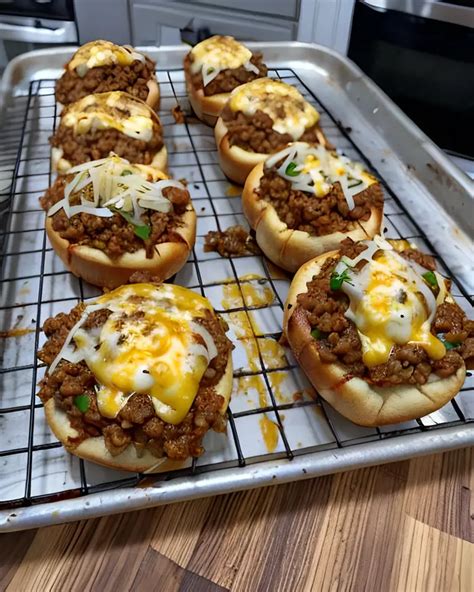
column 137, row 376
column 98, row 124
column 213, row 68
column 107, row 219
column 102, row 66
column 259, row 119
column 303, row 200
column 376, row 330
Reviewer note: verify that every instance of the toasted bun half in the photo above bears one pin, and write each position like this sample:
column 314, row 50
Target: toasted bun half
column 237, row 163
column 94, row 449
column 153, row 98
column 95, row 267
column 363, row 403
column 62, row 165
column 207, row 109
column 289, row 248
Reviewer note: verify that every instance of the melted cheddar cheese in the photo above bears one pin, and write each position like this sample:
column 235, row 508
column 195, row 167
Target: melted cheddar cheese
column 102, row 53
column 388, row 308
column 332, row 168
column 147, row 345
column 219, row 53
column 116, row 110
column 290, row 113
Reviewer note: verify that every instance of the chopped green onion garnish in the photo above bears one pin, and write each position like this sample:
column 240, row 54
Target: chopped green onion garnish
column 337, row 279
column 430, row 278
column 82, row 403
column 143, row 231
column 290, row 170
column 355, row 184
column 449, row 344
column 126, row 172
column 316, row 334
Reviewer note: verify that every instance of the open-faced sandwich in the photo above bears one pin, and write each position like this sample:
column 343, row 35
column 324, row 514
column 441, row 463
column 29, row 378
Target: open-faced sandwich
column 260, row 118
column 213, row 68
column 137, row 377
column 107, row 219
column 303, row 200
column 96, row 125
column 101, row 66
column 375, row 329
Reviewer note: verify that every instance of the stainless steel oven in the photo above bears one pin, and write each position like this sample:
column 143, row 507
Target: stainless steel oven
column 32, row 24
column 421, row 53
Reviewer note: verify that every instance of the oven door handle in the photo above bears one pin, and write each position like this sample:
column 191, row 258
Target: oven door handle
column 65, row 33
column 429, row 9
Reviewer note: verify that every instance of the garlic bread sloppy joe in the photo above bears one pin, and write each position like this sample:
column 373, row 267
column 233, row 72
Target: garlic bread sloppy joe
column 303, row 200
column 213, row 68
column 102, row 66
column 377, row 332
column 260, row 118
column 137, row 376
column 107, row 219
column 98, row 124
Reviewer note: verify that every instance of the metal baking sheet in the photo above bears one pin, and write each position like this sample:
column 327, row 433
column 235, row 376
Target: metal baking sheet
column 428, row 200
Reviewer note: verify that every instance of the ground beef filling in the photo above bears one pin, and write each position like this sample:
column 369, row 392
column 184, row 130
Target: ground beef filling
column 132, row 79
column 227, row 80
column 254, row 133
column 115, row 236
column 79, row 148
column 234, row 241
column 408, row 364
column 318, row 216
column 137, row 422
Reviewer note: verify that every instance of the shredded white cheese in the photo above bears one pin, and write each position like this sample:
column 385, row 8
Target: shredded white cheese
column 114, row 184
column 315, row 170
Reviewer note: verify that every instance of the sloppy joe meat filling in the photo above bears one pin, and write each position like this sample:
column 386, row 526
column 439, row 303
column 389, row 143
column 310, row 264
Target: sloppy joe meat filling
column 254, row 133
column 226, row 80
column 317, row 216
column 234, row 241
column 116, row 236
column 132, row 79
column 338, row 341
column 137, row 422
column 93, row 145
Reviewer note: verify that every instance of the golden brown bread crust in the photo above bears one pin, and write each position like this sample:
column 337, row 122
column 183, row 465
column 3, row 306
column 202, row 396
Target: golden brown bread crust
column 153, row 98
column 207, row 109
column 289, row 248
column 62, row 166
column 94, row 448
column 95, row 267
column 235, row 162
column 354, row 398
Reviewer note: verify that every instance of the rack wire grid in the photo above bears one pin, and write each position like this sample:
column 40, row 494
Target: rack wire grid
column 268, row 385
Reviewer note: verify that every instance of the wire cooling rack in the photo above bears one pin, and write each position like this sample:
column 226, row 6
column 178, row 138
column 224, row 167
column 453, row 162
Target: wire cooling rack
column 274, row 413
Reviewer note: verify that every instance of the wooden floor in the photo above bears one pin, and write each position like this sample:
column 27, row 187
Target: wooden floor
column 403, row 527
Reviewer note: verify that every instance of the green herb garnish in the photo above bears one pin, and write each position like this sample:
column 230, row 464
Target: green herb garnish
column 430, row 278
column 143, row 231
column 290, row 170
column 316, row 334
column 126, row 172
column 449, row 344
column 355, row 184
column 82, row 403
column 337, row 279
